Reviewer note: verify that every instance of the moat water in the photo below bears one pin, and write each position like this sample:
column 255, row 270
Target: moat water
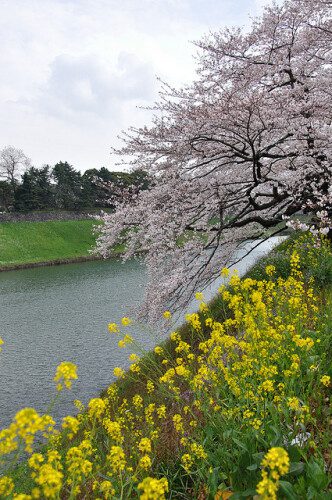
column 54, row 314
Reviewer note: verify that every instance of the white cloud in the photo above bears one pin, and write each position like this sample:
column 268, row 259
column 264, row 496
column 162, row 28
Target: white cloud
column 82, row 85
column 74, row 71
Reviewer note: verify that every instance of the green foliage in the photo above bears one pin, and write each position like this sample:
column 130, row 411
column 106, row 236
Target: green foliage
column 35, row 192
column 64, row 188
column 29, row 242
column 6, row 196
column 68, row 186
column 315, row 255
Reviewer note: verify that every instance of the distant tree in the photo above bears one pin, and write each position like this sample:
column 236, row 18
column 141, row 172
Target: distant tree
column 35, row 191
column 105, row 174
column 13, row 162
column 6, row 196
column 67, row 186
column 101, row 187
column 141, row 179
column 90, row 193
column 248, row 143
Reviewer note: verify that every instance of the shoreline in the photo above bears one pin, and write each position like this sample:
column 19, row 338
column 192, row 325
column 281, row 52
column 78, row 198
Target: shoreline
column 59, row 262
column 49, row 263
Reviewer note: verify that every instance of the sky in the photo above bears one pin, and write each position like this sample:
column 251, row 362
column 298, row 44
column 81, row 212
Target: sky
column 75, row 73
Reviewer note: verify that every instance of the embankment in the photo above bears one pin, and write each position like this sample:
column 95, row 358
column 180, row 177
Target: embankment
column 31, row 244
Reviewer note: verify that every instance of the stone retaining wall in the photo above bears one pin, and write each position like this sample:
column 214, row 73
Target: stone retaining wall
column 42, row 216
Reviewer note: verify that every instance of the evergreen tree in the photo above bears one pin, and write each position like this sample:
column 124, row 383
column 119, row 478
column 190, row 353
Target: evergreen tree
column 6, row 196
column 35, row 192
column 68, row 186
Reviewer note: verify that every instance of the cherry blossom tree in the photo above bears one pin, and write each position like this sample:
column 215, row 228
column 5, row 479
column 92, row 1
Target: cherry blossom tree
column 245, row 145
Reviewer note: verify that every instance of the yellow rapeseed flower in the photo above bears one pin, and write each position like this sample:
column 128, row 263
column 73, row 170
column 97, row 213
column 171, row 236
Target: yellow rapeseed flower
column 145, row 462
column 177, row 421
column 224, row 272
column 293, row 403
column 138, row 401
column 277, row 459
column 113, row 328
column 126, row 321
column 267, row 488
column 145, row 445
column 275, row 463
column 150, row 387
column 118, row 372
column 325, row 380
column 71, row 424
column 6, row 486
column 50, row 480
column 106, row 489
column 135, row 368
column 117, row 459
column 113, row 429
column 270, row 270
column 153, row 489
column 187, row 462
column 96, row 407
column 65, row 373
column 161, row 411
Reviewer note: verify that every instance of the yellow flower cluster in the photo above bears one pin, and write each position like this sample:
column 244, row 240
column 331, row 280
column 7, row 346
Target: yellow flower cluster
column 26, row 424
column 71, row 424
column 276, row 464
column 6, row 486
column 96, row 407
column 47, row 475
column 326, row 380
column 153, row 489
column 167, row 314
column 78, row 465
column 65, row 373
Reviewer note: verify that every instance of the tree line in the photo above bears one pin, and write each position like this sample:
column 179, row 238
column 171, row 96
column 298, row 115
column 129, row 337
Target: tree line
column 24, row 187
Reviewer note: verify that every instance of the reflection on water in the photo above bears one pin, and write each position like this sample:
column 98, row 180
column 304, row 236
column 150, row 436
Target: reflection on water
column 54, row 314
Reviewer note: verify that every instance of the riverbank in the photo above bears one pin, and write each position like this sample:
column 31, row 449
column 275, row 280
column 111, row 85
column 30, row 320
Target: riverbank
column 242, row 388
column 28, row 244
column 36, row 244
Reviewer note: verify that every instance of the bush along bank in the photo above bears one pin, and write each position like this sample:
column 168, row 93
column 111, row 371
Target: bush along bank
column 235, row 405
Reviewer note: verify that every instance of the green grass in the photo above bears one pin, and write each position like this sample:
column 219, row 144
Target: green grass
column 31, row 242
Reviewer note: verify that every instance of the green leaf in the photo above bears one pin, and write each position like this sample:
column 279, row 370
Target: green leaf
column 240, row 444
column 252, row 467
column 296, row 468
column 258, row 457
column 316, row 475
column 287, row 489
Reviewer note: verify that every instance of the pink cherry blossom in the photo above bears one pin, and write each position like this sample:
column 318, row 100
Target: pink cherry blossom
column 246, row 144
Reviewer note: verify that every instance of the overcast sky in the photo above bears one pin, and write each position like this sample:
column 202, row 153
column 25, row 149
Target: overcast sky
column 74, row 71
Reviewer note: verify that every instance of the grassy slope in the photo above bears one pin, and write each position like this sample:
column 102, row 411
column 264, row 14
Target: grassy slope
column 30, row 242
